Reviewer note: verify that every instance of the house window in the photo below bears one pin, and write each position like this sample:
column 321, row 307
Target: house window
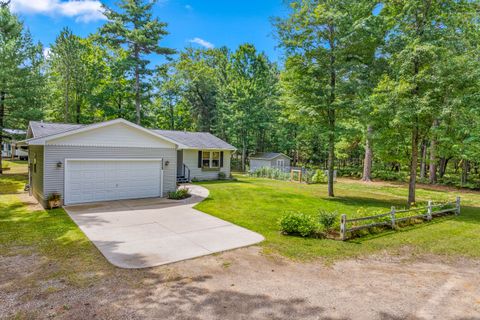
column 206, row 159
column 280, row 163
column 215, row 159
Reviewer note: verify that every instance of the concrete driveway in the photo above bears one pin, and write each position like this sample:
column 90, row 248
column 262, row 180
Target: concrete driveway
column 150, row 232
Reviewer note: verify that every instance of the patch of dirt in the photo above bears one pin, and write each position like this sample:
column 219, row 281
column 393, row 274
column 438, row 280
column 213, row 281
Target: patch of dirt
column 244, row 284
column 30, row 202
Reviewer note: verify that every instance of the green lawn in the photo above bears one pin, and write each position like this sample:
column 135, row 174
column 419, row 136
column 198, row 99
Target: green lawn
column 63, row 249
column 257, row 204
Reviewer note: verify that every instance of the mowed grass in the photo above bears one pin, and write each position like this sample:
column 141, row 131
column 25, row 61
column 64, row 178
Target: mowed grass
column 62, row 249
column 258, row 204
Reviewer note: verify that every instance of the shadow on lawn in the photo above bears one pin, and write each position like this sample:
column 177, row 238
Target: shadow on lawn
column 12, row 183
column 367, row 202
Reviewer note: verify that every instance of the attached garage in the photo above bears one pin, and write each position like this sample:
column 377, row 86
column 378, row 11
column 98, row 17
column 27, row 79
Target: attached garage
column 92, row 180
column 113, row 160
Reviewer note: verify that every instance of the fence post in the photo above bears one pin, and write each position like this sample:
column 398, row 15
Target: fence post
column 343, row 226
column 429, row 210
column 392, row 215
column 457, row 210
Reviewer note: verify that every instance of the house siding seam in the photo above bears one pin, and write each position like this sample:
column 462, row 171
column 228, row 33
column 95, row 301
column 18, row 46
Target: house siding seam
column 190, row 158
column 54, row 176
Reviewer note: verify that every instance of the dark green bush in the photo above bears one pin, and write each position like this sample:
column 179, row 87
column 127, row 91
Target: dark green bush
column 222, row 175
column 327, row 219
column 299, row 224
column 179, row 194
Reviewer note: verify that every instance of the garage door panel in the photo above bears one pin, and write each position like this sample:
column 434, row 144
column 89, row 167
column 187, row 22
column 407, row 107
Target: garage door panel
column 98, row 180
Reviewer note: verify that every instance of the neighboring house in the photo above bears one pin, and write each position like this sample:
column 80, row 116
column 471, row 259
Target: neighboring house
column 118, row 160
column 270, row 160
column 9, row 141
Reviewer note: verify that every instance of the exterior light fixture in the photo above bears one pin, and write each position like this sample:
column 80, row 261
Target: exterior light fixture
column 59, row 164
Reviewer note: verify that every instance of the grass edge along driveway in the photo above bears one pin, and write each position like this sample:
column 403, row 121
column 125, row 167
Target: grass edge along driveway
column 258, row 204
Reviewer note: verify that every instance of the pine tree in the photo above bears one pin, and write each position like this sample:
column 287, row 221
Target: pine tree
column 20, row 74
column 134, row 28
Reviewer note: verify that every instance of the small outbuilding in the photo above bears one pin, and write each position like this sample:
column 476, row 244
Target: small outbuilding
column 270, row 160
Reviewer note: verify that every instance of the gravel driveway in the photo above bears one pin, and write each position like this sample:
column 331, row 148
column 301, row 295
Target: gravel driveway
column 244, row 284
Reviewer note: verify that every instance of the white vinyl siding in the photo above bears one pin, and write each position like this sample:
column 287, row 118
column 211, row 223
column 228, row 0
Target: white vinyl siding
column 190, row 158
column 54, row 175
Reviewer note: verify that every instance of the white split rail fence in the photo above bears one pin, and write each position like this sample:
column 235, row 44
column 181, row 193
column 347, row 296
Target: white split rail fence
column 392, row 222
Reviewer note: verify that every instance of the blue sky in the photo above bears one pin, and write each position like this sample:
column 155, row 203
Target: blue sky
column 190, row 22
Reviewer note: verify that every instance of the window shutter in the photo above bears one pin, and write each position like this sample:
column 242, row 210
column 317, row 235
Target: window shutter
column 221, row 159
column 200, row 158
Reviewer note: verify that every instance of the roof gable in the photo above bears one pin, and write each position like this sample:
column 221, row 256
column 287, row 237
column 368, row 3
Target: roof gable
column 62, row 133
column 268, row 155
column 115, row 135
column 117, row 132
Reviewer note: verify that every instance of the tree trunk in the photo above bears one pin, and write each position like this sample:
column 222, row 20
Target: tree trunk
column 423, row 159
column 433, row 156
column 443, row 166
column 331, row 113
column 78, row 107
column 67, row 94
column 172, row 117
column 2, row 115
column 367, row 163
column 244, row 155
column 137, row 85
column 465, row 169
column 331, row 151
column 413, row 167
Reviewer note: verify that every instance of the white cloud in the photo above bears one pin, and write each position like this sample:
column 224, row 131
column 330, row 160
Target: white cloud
column 188, row 7
column 46, row 52
column 81, row 10
column 202, row 42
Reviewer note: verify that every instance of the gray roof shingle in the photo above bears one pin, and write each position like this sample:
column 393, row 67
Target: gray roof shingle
column 267, row 155
column 198, row 140
column 44, row 129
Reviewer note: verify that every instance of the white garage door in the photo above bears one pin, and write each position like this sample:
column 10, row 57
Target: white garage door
column 102, row 180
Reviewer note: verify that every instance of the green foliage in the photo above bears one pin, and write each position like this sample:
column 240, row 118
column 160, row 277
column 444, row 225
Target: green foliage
column 328, row 219
column 296, row 223
column 55, row 196
column 132, row 26
column 222, row 175
column 179, row 194
column 319, row 177
column 270, row 173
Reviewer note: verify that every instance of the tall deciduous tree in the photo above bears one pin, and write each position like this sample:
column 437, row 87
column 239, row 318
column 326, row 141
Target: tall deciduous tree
column 20, row 74
column 134, row 28
column 422, row 32
column 324, row 42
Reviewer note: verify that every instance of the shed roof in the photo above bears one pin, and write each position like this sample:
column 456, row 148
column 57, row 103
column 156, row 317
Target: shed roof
column 267, row 155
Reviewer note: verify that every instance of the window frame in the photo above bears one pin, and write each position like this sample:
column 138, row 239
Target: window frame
column 212, row 159
column 209, row 159
column 281, row 163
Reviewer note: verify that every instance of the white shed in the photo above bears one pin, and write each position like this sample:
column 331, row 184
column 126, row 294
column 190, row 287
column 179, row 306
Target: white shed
column 270, row 160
